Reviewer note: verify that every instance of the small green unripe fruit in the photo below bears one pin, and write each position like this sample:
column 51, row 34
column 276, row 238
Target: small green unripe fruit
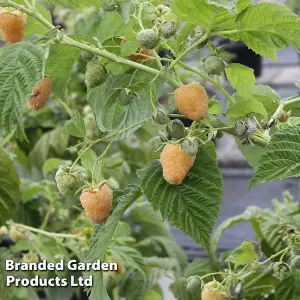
column 199, row 36
column 67, row 182
column 147, row 38
column 110, row 5
column 213, row 65
column 176, row 129
column 155, row 143
column 281, row 270
column 190, row 146
column 86, row 56
column 30, row 258
column 282, row 117
column 194, row 285
column 163, row 9
column 168, row 29
column 95, row 74
column 160, row 116
column 126, row 97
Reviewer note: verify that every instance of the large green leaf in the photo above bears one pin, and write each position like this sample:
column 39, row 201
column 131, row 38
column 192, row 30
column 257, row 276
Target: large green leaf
column 111, row 115
column 241, row 78
column 192, row 206
column 246, row 107
column 103, row 234
column 9, row 187
column 281, row 157
column 267, row 27
column 209, row 14
column 59, row 66
column 21, row 66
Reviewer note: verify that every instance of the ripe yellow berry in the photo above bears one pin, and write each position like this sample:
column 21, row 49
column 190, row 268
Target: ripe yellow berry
column 176, row 163
column 210, row 292
column 192, row 101
column 12, row 25
column 97, row 203
column 40, row 94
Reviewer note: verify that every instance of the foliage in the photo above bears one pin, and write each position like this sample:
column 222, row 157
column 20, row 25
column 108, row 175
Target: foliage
column 107, row 76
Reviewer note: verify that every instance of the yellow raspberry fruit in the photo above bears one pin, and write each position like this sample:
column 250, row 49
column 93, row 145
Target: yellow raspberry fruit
column 176, row 163
column 210, row 292
column 40, row 94
column 97, row 203
column 192, row 101
column 12, row 25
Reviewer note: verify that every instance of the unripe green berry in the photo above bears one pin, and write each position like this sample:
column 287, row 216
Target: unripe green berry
column 213, row 65
column 176, row 129
column 95, row 74
column 110, row 5
column 15, row 234
column 160, row 116
column 67, row 183
column 194, row 285
column 147, row 38
column 30, row 258
column 155, row 143
column 126, row 97
column 281, row 270
column 168, row 29
column 282, row 117
column 190, row 146
column 86, row 56
column 199, row 36
column 163, row 9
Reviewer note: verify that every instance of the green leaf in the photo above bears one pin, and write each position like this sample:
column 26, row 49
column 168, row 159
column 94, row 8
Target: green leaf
column 192, row 206
column 243, row 108
column 21, row 66
column 76, row 126
column 56, row 139
column 285, row 290
column 31, row 190
column 245, row 254
column 179, row 289
column 9, row 187
column 128, row 257
column 52, row 163
column 265, row 28
column 103, row 234
column 59, row 66
column 215, row 106
column 281, row 157
column 252, row 214
column 241, row 78
column 252, row 153
column 111, row 114
column 112, row 25
column 207, row 14
column 199, row 266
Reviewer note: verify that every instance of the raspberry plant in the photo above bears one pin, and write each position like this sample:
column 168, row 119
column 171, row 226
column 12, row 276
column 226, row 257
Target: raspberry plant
column 95, row 115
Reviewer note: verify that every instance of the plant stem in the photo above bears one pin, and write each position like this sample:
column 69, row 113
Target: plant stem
column 50, row 234
column 48, row 213
column 215, row 83
column 100, row 52
column 187, row 51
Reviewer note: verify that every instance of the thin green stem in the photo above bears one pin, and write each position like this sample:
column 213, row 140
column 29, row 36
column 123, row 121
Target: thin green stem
column 47, row 233
column 48, row 214
column 215, row 83
column 187, row 51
